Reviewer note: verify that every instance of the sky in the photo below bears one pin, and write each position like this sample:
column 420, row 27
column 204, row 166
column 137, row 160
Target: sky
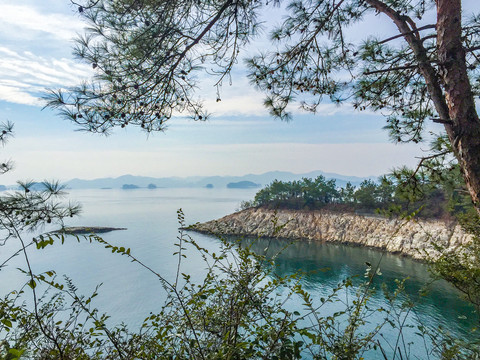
column 240, row 137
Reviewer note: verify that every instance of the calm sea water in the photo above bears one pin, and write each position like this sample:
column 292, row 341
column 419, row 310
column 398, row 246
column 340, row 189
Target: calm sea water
column 129, row 292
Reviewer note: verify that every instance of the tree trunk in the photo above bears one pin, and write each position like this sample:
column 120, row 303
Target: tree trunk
column 454, row 103
column 464, row 130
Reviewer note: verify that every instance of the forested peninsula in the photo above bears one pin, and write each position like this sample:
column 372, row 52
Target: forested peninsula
column 382, row 214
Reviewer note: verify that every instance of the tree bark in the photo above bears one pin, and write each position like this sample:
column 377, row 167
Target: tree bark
column 464, row 130
column 449, row 88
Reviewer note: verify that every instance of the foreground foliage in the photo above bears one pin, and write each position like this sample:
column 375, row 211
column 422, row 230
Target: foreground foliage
column 238, row 310
column 146, row 54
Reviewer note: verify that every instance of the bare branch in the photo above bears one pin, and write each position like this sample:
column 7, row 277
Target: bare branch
column 432, row 26
column 442, row 121
column 425, row 158
column 406, row 67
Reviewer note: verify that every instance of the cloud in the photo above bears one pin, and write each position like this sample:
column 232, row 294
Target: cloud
column 27, row 32
column 17, row 95
column 25, row 19
column 251, row 104
column 23, row 75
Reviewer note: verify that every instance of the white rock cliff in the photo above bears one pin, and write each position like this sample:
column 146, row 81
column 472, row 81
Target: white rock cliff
column 416, row 238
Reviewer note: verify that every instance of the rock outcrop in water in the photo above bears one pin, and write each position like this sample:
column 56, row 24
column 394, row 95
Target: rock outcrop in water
column 88, row 229
column 415, row 238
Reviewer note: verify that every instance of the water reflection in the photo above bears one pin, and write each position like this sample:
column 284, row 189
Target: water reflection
column 326, row 265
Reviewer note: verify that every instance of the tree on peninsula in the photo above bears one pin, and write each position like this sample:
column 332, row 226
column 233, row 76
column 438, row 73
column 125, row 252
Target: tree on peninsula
column 146, row 55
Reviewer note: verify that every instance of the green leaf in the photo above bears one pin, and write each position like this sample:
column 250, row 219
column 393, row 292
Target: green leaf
column 16, row 353
column 6, row 322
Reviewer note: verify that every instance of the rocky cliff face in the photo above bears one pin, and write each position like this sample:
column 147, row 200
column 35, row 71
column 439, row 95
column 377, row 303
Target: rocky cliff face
column 416, row 238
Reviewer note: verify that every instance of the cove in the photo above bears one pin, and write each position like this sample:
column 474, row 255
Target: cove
column 129, row 293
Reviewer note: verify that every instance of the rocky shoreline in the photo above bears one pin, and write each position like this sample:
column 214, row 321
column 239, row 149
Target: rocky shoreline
column 416, row 238
column 88, row 229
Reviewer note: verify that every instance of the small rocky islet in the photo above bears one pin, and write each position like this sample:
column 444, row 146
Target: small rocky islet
column 79, row 230
column 419, row 239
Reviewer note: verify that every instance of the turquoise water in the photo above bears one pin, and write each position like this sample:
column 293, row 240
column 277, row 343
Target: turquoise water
column 327, row 265
column 129, row 293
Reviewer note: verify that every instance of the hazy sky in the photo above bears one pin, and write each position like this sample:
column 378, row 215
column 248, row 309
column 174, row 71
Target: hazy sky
column 35, row 53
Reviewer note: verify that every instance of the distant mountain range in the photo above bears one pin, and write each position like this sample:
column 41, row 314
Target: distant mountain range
column 203, row 181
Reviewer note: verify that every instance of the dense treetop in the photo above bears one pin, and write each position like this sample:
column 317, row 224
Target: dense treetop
column 387, row 196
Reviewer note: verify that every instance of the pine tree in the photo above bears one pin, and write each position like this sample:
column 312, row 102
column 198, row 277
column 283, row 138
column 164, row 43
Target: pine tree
column 146, row 54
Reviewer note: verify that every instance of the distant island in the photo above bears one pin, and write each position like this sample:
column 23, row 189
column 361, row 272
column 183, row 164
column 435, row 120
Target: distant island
column 209, row 182
column 152, row 186
column 130, row 186
column 242, row 185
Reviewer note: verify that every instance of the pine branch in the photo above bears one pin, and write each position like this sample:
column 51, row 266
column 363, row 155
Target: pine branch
column 432, row 26
column 406, row 67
